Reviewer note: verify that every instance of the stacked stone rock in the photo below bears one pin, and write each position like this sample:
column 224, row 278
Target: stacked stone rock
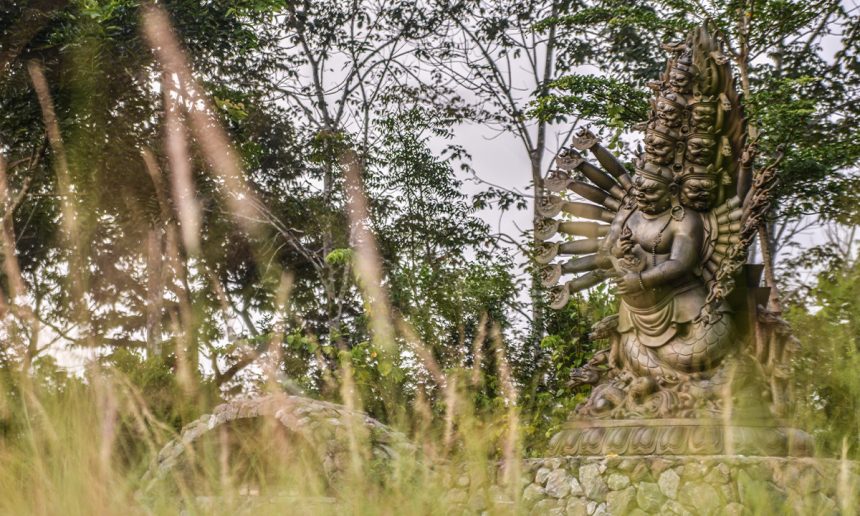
column 732, row 485
column 588, row 486
column 324, row 426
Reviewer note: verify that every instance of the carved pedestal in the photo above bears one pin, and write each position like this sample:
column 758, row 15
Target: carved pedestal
column 764, row 437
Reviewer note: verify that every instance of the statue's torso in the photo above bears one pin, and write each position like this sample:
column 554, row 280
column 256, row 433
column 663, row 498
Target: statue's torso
column 650, row 244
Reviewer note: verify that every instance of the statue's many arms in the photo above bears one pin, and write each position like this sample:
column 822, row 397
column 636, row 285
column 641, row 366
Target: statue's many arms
column 671, row 233
column 670, row 225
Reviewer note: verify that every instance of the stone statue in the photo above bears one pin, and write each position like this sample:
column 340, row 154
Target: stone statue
column 673, row 240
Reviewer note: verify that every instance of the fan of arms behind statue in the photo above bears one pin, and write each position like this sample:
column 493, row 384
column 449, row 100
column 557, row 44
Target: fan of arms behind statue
column 672, row 235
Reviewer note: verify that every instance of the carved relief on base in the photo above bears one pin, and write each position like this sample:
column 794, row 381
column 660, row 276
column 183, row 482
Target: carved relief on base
column 680, row 437
column 736, row 385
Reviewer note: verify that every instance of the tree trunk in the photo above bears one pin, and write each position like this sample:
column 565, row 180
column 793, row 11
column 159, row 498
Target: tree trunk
column 752, row 131
column 536, row 293
column 536, row 158
column 155, row 287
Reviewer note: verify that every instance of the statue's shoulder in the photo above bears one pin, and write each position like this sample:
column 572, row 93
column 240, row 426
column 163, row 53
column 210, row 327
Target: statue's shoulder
column 687, row 220
column 624, row 213
column 622, row 218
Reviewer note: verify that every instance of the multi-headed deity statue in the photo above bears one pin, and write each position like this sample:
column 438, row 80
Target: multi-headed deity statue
column 672, row 239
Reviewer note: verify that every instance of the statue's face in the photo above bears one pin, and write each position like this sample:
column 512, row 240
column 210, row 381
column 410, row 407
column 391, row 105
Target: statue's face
column 669, row 113
column 698, row 193
column 652, row 197
column 658, row 150
column 701, row 150
column 703, row 116
column 679, row 81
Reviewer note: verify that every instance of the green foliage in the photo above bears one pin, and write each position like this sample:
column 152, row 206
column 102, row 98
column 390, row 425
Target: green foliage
column 339, row 257
column 622, row 37
column 825, row 374
column 800, row 112
column 566, row 346
column 617, row 105
column 445, row 270
column 428, row 230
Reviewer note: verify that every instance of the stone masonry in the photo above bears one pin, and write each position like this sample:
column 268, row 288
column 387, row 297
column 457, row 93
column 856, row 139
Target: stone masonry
column 679, row 485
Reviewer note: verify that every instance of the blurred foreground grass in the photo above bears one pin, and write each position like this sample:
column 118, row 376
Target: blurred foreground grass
column 85, row 448
column 82, row 444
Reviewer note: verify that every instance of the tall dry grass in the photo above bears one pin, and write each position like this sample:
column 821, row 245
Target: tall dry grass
column 84, row 445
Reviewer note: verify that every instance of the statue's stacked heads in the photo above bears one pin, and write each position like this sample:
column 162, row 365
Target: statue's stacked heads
column 686, row 136
column 682, row 72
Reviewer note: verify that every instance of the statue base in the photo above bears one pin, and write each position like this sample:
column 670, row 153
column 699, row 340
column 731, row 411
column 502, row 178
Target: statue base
column 765, row 437
column 707, row 485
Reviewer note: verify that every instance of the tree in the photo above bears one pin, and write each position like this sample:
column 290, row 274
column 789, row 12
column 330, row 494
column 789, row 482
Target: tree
column 341, row 65
column 127, row 228
column 445, row 268
column 98, row 76
column 825, row 372
column 499, row 63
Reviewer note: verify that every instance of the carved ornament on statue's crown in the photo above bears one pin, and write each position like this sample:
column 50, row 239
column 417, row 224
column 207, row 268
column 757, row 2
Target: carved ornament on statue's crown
column 654, row 172
column 659, row 147
column 663, row 145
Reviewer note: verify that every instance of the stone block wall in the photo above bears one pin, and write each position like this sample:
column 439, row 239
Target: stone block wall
column 590, row 485
column 682, row 485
